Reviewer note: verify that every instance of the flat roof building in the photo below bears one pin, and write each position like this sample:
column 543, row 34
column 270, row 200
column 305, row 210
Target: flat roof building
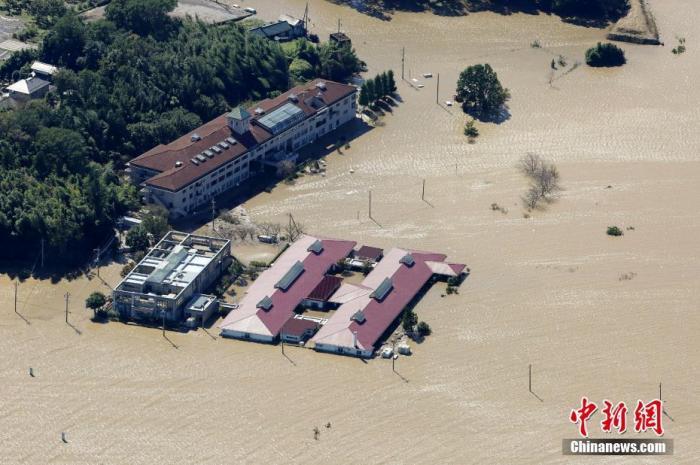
column 225, row 152
column 272, row 298
column 180, row 266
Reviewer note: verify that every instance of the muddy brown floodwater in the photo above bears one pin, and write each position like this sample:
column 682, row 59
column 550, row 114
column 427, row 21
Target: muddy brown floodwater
column 608, row 318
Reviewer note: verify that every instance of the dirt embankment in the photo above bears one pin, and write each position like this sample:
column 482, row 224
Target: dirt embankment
column 637, row 27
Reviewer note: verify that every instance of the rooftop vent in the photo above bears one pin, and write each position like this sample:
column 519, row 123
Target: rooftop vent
column 265, row 303
column 195, row 137
column 290, row 276
column 316, row 247
column 383, row 290
column 178, row 164
column 407, row 260
column 293, row 97
column 259, row 111
column 194, row 161
column 359, row 317
column 231, row 140
column 321, row 85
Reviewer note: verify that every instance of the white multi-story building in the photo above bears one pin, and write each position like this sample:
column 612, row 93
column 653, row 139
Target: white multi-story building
column 226, row 151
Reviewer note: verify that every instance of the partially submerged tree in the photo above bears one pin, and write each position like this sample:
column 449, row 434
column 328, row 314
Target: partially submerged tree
column 480, row 91
column 605, row 55
column 409, row 320
column 95, row 301
column 544, row 179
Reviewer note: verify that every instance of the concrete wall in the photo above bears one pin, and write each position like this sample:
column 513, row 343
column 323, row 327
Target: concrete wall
column 247, row 336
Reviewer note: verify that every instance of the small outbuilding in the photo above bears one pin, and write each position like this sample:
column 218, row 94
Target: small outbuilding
column 27, row 89
column 297, row 330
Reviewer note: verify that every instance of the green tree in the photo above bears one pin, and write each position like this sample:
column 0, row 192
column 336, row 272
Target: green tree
column 409, row 320
column 337, row 62
column 301, row 70
column 65, row 41
column 480, row 91
column 423, row 329
column 137, row 238
column 363, row 99
column 605, row 55
column 371, row 91
column 141, row 16
column 95, row 301
column 392, row 81
column 156, row 222
column 383, row 79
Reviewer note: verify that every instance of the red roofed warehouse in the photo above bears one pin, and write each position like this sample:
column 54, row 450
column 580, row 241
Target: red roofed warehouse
column 272, row 298
column 369, row 309
column 226, row 151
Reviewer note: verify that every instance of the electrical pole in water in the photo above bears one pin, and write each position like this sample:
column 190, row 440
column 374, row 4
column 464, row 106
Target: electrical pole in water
column 529, row 378
column 16, row 286
column 67, row 296
column 422, row 197
column 42, row 252
column 370, row 203
column 97, row 260
column 403, row 61
column 437, row 92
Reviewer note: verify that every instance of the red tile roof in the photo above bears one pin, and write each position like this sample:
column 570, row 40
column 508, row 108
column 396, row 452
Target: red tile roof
column 326, row 288
column 163, row 157
column 369, row 253
column 297, row 327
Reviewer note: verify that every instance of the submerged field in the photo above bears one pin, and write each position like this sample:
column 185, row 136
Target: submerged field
column 597, row 316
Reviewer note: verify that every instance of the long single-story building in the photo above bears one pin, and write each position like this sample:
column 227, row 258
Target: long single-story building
column 223, row 153
column 368, row 310
column 168, row 282
column 272, row 298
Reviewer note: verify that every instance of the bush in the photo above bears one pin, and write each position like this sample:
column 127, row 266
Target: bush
column 423, row 329
column 470, row 130
column 605, row 55
column 614, row 231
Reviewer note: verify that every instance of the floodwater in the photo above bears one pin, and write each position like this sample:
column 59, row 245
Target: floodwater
column 607, row 318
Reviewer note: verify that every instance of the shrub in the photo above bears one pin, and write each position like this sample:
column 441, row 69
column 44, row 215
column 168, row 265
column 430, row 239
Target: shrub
column 470, row 130
column 424, row 329
column 605, row 55
column 480, row 91
column 614, row 231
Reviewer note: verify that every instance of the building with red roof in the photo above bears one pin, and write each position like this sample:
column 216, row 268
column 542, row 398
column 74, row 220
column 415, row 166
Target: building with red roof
column 225, row 152
column 272, row 298
column 368, row 310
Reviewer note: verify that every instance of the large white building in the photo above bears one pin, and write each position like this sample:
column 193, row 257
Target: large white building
column 226, row 151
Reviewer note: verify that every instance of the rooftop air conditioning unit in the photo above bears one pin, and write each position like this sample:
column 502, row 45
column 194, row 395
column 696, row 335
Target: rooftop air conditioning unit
column 196, row 137
column 321, row 85
column 293, row 97
column 178, row 164
column 259, row 111
column 194, row 161
column 216, row 149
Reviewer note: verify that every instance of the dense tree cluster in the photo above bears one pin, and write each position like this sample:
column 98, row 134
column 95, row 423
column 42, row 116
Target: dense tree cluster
column 480, row 91
column 328, row 60
column 45, row 12
column 605, row 55
column 380, row 86
column 127, row 83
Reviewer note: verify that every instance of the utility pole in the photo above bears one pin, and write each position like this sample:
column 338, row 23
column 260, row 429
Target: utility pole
column 97, row 260
column 16, row 286
column 437, row 92
column 338, row 25
column 282, row 347
column 164, row 324
column 67, row 296
column 42, row 252
column 659, row 391
column 422, row 197
column 213, row 214
column 529, row 378
column 403, row 61
column 370, row 203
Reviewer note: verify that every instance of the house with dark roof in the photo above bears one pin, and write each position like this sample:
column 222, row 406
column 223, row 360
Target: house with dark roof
column 27, row 89
column 297, row 330
column 286, row 28
column 187, row 173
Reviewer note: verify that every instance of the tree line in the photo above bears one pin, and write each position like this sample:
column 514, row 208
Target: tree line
column 128, row 82
column 378, row 87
